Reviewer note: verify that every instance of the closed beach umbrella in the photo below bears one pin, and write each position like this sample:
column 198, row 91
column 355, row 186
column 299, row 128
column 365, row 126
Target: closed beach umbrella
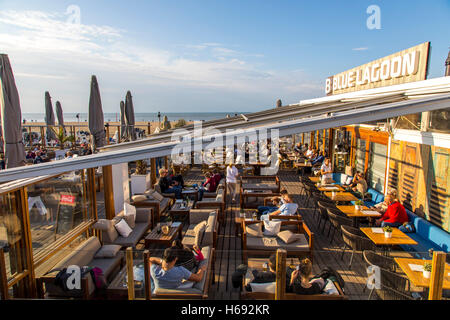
column 59, row 114
column 123, row 125
column 129, row 116
column 49, row 116
column 11, row 116
column 96, row 121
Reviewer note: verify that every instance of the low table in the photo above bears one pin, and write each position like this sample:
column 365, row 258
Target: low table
column 190, row 192
column 254, row 194
column 238, row 221
column 163, row 239
column 118, row 288
column 398, row 238
column 178, row 210
column 318, row 179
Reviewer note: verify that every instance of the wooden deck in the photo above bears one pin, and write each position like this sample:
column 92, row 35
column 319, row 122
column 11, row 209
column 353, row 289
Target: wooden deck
column 326, row 254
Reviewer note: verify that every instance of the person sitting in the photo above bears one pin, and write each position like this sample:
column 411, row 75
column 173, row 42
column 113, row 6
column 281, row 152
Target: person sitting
column 395, row 214
column 327, row 171
column 277, row 201
column 187, row 257
column 301, row 282
column 354, row 180
column 217, row 176
column 209, row 185
column 166, row 275
column 289, row 208
column 264, row 276
column 381, row 207
column 361, row 185
column 38, row 158
column 168, row 186
column 318, row 159
column 178, row 178
column 310, row 152
column 298, row 148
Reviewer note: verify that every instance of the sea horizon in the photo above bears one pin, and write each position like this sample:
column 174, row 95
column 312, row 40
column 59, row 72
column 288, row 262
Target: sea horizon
column 139, row 116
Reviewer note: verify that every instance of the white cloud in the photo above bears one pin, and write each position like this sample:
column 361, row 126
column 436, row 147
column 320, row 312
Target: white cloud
column 360, row 49
column 43, row 46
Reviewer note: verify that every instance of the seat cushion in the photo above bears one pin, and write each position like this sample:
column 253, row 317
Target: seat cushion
column 82, row 254
column 261, row 186
column 107, row 264
column 273, row 243
column 134, row 237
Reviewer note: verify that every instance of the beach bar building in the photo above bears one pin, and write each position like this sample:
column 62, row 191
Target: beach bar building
column 383, row 119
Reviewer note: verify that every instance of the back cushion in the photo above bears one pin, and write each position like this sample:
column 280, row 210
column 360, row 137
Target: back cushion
column 109, row 232
column 83, row 254
column 343, row 178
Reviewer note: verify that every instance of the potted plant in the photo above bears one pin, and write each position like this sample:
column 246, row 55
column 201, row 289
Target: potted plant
column 426, row 270
column 358, row 204
column 387, row 231
column 140, row 180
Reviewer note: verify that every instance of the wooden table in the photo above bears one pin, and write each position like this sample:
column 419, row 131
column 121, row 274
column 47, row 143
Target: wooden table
column 161, row 238
column 350, row 211
column 318, row 179
column 416, row 277
column 238, row 221
column 341, row 196
column 398, row 238
column 190, row 192
column 254, row 194
column 176, row 209
column 118, row 288
column 327, row 188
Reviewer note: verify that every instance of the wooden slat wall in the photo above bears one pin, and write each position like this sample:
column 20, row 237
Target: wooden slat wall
column 420, row 174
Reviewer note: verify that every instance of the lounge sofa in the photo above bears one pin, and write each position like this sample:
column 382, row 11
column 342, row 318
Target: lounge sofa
column 111, row 236
column 209, row 236
column 428, row 236
column 200, row 289
column 152, row 199
column 83, row 255
column 266, row 245
column 215, row 203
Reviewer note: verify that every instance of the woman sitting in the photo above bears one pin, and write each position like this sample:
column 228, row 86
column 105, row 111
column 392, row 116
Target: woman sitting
column 264, row 276
column 300, row 280
column 288, row 208
column 166, row 275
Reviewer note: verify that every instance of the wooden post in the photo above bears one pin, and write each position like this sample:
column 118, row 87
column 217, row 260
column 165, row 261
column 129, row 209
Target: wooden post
column 311, row 138
column 130, row 274
column 437, row 275
column 153, row 171
column 149, row 127
column 3, row 277
column 118, row 134
column 43, row 137
column 324, row 139
column 331, row 144
column 280, row 285
column 108, row 191
column 148, row 285
column 166, row 162
column 107, row 133
column 303, row 138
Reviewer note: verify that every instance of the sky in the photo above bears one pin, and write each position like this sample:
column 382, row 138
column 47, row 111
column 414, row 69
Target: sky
column 204, row 55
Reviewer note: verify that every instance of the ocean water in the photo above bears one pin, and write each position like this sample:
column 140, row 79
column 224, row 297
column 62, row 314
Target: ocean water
column 139, row 117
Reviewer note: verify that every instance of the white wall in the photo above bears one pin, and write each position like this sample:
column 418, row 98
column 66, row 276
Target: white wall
column 121, row 185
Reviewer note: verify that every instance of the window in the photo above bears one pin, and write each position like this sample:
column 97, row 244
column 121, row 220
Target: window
column 377, row 166
column 360, row 154
column 56, row 207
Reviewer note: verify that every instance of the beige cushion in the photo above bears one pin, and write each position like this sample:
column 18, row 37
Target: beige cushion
column 129, row 214
column 157, row 196
column 254, row 230
column 288, row 236
column 107, row 251
column 109, row 233
column 139, row 197
column 199, row 230
column 273, row 243
column 123, row 228
column 271, row 228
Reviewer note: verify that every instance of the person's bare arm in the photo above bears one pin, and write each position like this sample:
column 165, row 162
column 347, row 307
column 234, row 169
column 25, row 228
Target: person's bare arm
column 155, row 260
column 275, row 213
column 197, row 277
